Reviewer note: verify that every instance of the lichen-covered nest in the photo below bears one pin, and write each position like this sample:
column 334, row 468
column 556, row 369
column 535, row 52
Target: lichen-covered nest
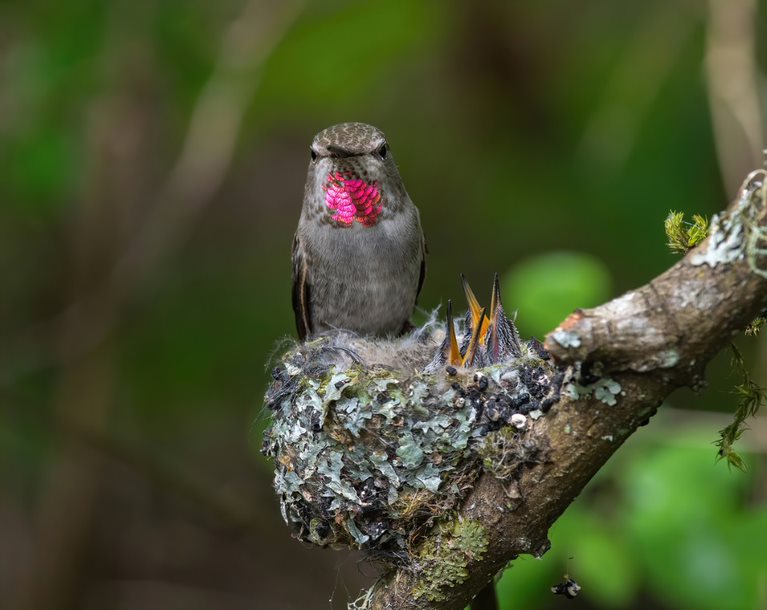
column 369, row 447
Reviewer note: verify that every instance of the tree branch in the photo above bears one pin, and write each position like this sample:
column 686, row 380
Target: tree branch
column 645, row 344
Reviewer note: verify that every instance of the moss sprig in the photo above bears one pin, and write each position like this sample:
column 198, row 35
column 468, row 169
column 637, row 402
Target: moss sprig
column 442, row 560
column 683, row 235
column 751, row 397
column 753, row 329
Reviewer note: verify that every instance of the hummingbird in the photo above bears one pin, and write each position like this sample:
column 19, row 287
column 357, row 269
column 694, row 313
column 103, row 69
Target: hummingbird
column 359, row 254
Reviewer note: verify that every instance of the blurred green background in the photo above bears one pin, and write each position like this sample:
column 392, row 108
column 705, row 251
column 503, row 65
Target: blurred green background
column 152, row 158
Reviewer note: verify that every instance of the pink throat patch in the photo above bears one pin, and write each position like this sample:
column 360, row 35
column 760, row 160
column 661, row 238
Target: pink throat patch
column 352, row 199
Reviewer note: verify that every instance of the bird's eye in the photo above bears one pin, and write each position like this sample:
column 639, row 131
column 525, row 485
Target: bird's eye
column 382, row 151
column 313, row 153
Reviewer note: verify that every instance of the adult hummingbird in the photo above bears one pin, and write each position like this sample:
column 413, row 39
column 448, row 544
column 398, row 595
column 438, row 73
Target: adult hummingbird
column 359, row 251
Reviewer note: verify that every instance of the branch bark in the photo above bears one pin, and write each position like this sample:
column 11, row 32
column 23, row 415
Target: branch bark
column 650, row 341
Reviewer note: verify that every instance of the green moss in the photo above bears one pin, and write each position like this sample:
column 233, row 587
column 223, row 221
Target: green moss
column 443, row 559
column 498, row 452
column 751, row 397
column 753, row 329
column 683, row 236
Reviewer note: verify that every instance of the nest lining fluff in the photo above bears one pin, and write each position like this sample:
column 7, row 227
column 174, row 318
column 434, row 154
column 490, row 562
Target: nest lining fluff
column 369, row 448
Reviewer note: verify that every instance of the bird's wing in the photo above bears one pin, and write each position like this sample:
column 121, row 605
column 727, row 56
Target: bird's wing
column 301, row 291
column 422, row 275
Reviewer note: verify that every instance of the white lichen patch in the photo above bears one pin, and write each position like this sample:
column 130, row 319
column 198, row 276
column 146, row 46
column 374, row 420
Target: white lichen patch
column 626, row 306
column 756, row 246
column 738, row 234
column 668, row 358
column 519, row 421
column 566, row 339
column 604, row 389
column 725, row 245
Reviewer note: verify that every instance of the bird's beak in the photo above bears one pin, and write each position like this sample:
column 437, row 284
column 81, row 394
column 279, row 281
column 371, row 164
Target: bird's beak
column 479, row 323
column 471, row 351
column 495, row 299
column 454, row 353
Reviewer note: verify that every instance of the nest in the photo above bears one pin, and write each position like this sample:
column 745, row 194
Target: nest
column 373, row 439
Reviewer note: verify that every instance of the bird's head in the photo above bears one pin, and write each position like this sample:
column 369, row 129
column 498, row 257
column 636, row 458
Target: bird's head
column 352, row 177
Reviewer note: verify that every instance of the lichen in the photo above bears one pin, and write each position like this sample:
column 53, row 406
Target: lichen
column 505, row 452
column 580, row 383
column 566, row 339
column 668, row 358
column 606, row 389
column 363, row 601
column 441, row 562
column 738, row 234
column 726, row 244
column 756, row 244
